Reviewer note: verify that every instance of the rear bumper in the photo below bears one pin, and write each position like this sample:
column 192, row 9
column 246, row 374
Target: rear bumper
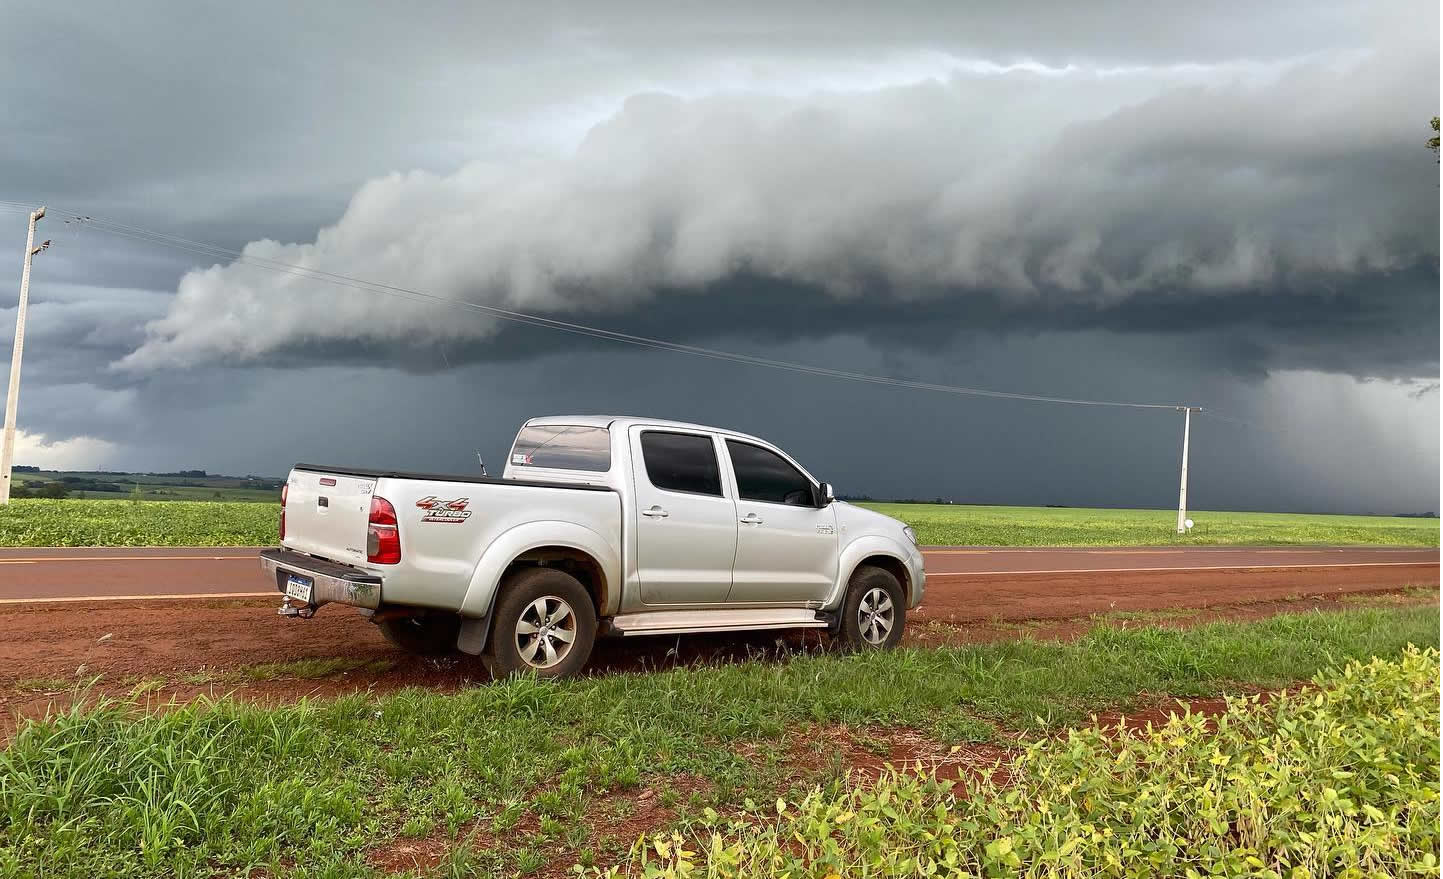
column 334, row 583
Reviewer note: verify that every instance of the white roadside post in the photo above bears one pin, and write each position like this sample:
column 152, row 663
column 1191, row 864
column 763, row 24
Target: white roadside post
column 1182, row 521
column 12, row 399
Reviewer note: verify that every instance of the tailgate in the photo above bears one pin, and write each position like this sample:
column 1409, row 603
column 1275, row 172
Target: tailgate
column 327, row 514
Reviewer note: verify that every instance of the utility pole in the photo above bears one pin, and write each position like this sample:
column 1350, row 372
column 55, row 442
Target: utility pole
column 12, row 399
column 1182, row 521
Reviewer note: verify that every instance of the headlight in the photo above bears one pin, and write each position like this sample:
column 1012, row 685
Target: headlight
column 911, row 535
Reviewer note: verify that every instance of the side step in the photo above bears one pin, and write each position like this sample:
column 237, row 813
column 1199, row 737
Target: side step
column 672, row 622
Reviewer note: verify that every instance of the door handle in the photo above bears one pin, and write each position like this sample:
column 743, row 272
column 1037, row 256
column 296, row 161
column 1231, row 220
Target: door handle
column 655, row 512
column 750, row 519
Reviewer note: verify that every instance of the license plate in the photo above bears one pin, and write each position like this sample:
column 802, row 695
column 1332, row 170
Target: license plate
column 299, row 588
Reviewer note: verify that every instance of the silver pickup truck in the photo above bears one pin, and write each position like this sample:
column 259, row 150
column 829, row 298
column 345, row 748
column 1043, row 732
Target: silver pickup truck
column 599, row 526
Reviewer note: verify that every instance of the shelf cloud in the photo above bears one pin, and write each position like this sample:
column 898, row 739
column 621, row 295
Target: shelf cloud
column 1101, row 188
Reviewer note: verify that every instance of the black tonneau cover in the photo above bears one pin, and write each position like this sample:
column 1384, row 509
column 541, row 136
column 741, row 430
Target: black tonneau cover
column 448, row 477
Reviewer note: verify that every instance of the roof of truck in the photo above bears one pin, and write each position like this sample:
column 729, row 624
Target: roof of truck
column 625, row 421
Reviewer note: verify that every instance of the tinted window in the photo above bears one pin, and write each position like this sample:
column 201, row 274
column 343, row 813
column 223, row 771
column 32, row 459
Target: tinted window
column 681, row 462
column 563, row 446
column 766, row 476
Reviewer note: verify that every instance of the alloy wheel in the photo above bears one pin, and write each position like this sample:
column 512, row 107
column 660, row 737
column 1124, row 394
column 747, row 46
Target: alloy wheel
column 545, row 632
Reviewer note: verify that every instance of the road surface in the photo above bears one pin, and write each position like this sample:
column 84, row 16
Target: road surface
column 956, row 575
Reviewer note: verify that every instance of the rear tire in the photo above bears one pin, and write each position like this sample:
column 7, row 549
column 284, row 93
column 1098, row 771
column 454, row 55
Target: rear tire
column 874, row 612
column 425, row 634
column 544, row 624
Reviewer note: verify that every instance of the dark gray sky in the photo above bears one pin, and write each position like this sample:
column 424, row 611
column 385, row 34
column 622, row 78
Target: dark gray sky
column 1228, row 204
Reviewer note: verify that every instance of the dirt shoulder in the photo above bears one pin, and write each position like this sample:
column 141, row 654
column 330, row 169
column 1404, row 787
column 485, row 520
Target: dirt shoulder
column 155, row 651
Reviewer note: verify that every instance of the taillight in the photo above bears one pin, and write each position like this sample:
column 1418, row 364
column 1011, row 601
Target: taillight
column 284, row 489
column 383, row 540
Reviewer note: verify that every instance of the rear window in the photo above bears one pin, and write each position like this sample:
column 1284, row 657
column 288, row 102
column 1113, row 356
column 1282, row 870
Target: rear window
column 564, row 447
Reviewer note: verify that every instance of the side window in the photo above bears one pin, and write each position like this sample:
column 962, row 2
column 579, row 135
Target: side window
column 681, row 462
column 766, row 476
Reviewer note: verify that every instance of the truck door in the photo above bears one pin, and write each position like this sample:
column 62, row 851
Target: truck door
column 686, row 525
column 786, row 545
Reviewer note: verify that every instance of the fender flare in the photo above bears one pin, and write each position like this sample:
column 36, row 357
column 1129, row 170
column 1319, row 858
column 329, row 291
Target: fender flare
column 486, row 578
column 865, row 547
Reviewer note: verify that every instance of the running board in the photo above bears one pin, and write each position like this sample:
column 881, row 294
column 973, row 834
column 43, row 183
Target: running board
column 673, row 622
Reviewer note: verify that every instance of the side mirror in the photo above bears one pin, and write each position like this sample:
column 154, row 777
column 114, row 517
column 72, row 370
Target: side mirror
column 827, row 494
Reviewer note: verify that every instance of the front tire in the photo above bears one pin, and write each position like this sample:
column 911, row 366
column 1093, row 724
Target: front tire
column 874, row 612
column 544, row 624
column 425, row 634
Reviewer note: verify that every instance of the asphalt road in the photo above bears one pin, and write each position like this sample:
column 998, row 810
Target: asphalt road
column 127, row 573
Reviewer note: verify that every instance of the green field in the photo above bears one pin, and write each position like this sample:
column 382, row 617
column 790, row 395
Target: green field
column 513, row 777
column 71, row 522
column 965, row 525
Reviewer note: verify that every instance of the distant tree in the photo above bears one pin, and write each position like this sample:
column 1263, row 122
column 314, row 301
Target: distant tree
column 1433, row 141
column 51, row 490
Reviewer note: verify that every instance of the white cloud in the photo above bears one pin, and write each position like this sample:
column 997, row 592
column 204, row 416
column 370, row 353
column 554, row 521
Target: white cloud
column 74, row 453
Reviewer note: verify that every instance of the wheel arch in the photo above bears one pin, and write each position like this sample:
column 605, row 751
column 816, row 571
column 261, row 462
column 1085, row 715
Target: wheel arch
column 576, row 549
column 877, row 551
column 890, row 564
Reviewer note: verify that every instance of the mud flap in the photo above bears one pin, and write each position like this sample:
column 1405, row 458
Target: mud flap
column 472, row 637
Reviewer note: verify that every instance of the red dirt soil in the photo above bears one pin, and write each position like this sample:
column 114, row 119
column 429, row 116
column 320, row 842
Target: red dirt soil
column 48, row 648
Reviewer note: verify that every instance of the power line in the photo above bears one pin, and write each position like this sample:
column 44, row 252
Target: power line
column 216, row 251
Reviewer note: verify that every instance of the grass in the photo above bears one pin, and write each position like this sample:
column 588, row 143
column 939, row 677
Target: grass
column 962, row 525
column 308, row 789
column 43, row 685
column 72, row 522
column 312, row 669
column 1340, row 780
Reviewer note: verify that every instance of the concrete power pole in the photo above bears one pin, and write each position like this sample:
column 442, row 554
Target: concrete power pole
column 1182, row 522
column 12, row 399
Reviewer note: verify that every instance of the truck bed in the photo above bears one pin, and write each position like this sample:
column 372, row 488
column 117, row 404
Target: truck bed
column 446, row 477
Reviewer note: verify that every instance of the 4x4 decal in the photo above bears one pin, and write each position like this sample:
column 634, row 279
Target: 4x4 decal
column 437, row 510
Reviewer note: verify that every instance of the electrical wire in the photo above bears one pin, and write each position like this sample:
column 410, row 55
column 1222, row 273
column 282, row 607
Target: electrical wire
column 202, row 248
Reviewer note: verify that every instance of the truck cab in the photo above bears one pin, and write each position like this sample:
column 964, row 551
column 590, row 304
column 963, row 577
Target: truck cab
column 649, row 526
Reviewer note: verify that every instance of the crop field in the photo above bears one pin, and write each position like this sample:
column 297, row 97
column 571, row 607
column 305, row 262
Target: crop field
column 965, row 525
column 69, row 522
column 72, row 522
column 749, row 769
column 1265, row 793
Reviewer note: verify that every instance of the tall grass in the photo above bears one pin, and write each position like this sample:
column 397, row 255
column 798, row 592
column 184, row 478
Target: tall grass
column 221, row 787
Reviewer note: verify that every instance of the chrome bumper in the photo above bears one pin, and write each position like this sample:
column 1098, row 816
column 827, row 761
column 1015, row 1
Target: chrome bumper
column 333, row 583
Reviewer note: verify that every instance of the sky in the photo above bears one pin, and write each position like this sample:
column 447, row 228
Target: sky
column 1228, row 205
